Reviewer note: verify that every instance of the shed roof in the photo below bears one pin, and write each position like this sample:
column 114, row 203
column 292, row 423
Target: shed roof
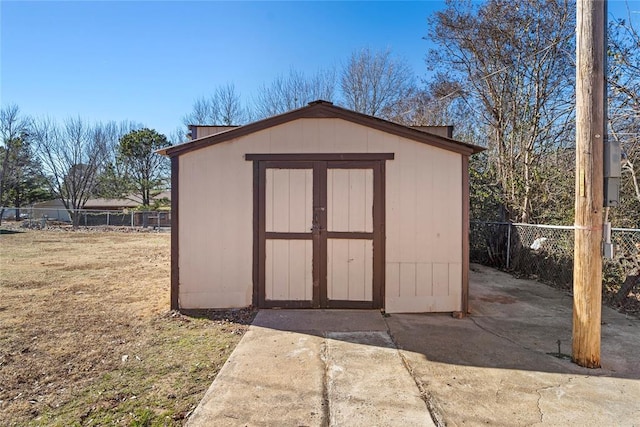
column 324, row 109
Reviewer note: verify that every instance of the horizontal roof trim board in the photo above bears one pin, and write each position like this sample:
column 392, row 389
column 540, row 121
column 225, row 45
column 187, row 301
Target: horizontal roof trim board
column 321, row 156
column 323, row 109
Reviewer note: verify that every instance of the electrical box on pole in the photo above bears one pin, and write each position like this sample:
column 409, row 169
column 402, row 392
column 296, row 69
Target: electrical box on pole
column 612, row 172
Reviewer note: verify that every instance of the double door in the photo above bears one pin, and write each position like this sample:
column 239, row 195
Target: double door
column 320, row 234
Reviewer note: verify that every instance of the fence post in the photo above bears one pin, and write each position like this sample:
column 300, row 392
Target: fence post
column 131, row 219
column 107, row 218
column 508, row 244
column 158, row 215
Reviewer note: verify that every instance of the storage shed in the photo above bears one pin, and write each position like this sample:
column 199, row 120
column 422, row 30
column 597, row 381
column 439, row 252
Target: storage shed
column 321, row 207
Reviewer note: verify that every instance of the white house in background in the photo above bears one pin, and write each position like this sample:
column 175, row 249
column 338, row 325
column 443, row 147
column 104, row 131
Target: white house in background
column 321, row 207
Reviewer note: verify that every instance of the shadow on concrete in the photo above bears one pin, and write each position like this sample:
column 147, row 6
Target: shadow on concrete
column 341, row 367
column 515, row 324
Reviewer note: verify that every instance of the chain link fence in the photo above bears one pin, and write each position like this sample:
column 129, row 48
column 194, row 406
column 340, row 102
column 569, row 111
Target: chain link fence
column 545, row 252
column 44, row 217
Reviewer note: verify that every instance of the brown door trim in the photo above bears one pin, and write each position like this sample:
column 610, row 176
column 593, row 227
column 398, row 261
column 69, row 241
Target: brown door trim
column 315, row 157
column 379, row 244
column 465, row 235
column 175, row 230
column 320, row 227
column 259, row 243
column 320, row 234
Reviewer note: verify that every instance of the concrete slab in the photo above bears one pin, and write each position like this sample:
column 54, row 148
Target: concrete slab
column 500, row 366
column 493, row 368
column 271, row 378
column 314, row 368
column 367, row 383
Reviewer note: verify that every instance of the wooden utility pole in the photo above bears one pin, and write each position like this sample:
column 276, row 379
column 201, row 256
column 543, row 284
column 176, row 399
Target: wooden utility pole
column 590, row 134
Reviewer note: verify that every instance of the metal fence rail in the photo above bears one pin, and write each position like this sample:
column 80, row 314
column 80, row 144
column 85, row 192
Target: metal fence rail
column 545, row 252
column 43, row 217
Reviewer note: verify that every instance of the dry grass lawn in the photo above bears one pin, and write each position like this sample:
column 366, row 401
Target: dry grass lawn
column 87, row 338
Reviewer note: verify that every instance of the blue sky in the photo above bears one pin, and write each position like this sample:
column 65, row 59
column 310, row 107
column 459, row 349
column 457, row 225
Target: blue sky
column 147, row 61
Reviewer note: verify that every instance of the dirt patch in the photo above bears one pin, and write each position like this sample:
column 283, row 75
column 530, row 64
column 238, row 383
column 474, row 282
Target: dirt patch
column 86, row 337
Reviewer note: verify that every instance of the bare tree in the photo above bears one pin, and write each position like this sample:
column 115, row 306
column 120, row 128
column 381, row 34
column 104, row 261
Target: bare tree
column 72, row 155
column 374, row 82
column 294, row 90
column 624, row 114
column 113, row 180
column 517, row 73
column 178, row 135
column 223, row 107
column 202, row 113
column 14, row 128
column 230, row 109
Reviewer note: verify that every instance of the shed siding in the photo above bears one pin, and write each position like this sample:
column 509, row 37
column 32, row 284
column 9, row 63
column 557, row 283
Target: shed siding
column 288, row 270
column 350, row 271
column 289, row 200
column 350, row 200
column 423, row 215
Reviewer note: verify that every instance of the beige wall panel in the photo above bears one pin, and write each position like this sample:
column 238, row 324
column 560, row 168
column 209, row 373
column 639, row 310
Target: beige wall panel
column 330, row 136
column 448, row 303
column 208, row 299
column 381, row 142
column 410, row 304
column 288, row 270
column 421, row 304
column 407, row 279
column 368, row 269
column 301, row 270
column 269, row 200
column 361, row 200
column 426, row 204
column 277, row 201
column 326, row 136
column 410, row 158
column 349, row 137
column 424, row 279
column 286, row 138
column 349, row 269
column 447, row 222
column 392, row 281
column 360, row 270
column 257, row 142
column 215, row 242
column 318, row 136
column 440, row 280
column 337, row 200
column 357, row 280
column 337, row 269
column 303, row 184
column 276, row 270
column 289, row 200
column 455, row 278
column 350, row 200
column 311, row 137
